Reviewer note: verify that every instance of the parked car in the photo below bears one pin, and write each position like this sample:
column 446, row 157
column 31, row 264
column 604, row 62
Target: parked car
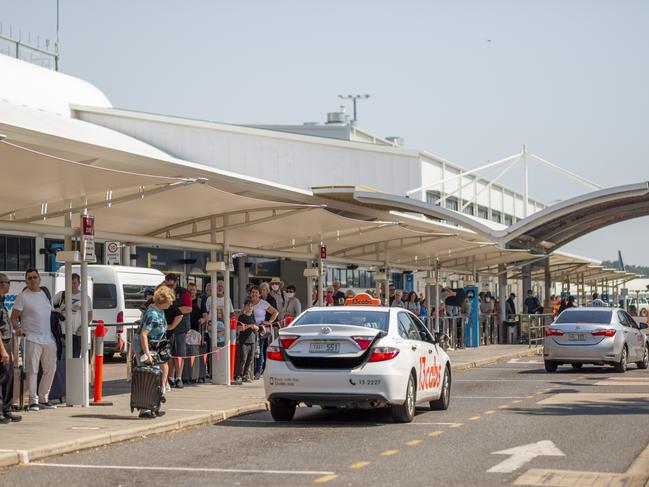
column 599, row 336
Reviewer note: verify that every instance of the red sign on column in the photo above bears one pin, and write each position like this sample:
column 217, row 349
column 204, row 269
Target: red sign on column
column 88, row 239
column 323, row 252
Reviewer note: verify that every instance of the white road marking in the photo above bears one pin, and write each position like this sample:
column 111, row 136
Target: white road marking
column 181, row 469
column 505, row 380
column 418, row 424
column 333, row 422
column 489, row 397
column 195, row 410
column 520, row 361
column 521, row 455
column 630, row 379
column 487, row 368
column 612, row 398
column 314, row 422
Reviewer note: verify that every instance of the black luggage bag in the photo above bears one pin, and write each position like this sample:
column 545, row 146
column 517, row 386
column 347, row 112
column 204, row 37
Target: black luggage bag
column 146, row 388
column 197, row 371
column 57, row 392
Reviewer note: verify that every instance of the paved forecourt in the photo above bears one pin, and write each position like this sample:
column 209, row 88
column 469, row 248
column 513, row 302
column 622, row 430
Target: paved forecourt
column 509, row 422
column 65, row 429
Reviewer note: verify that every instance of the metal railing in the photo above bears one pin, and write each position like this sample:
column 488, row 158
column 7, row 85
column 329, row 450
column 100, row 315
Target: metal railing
column 453, row 328
column 489, row 329
column 26, row 51
column 533, row 327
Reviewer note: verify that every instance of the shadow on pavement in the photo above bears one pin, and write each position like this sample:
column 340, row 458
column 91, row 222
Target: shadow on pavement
column 310, row 417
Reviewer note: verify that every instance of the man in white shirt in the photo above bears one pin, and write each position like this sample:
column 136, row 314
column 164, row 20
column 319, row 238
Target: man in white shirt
column 220, row 302
column 33, row 308
column 59, row 305
column 596, row 301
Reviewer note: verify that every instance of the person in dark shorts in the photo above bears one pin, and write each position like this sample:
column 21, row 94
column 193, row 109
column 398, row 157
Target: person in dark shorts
column 247, row 328
column 178, row 316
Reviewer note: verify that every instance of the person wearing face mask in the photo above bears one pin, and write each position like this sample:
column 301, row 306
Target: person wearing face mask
column 293, row 304
column 279, row 296
column 487, row 304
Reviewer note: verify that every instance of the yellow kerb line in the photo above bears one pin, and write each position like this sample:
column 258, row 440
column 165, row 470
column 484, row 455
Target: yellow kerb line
column 516, row 401
column 359, row 464
column 491, row 411
column 456, row 425
column 435, row 433
column 503, row 406
column 413, row 442
column 474, row 418
column 388, row 453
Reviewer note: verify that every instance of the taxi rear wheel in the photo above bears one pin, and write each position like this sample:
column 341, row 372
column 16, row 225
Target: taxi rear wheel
column 444, row 400
column 404, row 413
column 282, row 409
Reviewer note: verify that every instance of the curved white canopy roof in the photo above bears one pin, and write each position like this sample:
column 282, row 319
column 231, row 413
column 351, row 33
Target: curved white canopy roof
column 33, row 86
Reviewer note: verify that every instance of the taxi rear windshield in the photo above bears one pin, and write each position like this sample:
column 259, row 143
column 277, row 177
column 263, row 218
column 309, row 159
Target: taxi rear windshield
column 594, row 317
column 377, row 320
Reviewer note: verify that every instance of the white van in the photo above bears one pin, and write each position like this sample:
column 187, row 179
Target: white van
column 118, row 293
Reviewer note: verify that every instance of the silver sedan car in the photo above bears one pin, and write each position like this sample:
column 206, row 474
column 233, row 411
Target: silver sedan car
column 599, row 336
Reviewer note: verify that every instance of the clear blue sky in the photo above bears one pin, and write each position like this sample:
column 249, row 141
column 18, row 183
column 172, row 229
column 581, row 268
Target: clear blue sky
column 567, row 78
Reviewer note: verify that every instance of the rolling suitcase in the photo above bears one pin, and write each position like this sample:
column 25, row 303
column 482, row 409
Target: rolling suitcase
column 194, row 372
column 57, row 391
column 146, row 388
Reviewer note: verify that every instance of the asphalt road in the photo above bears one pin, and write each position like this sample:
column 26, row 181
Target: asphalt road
column 494, row 408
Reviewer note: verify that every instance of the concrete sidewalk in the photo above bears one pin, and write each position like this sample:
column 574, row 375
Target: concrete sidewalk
column 66, row 429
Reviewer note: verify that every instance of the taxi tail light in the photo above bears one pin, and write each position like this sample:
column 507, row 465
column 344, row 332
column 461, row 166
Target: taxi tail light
column 274, row 353
column 381, row 354
column 604, row 332
column 288, row 340
column 553, row 332
column 120, row 319
column 363, row 342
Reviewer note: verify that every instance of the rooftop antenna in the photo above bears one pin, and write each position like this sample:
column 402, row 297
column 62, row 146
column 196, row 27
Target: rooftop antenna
column 56, row 47
column 354, row 98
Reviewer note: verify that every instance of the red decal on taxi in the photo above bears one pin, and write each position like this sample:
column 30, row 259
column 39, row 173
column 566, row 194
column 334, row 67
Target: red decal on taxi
column 429, row 376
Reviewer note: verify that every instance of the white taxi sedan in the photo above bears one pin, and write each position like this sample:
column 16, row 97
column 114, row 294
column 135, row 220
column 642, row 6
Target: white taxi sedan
column 356, row 356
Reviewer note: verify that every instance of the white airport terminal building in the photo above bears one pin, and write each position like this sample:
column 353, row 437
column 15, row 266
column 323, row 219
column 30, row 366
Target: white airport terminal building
column 106, row 159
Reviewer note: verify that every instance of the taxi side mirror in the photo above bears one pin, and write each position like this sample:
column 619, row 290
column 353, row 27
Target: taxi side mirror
column 643, row 326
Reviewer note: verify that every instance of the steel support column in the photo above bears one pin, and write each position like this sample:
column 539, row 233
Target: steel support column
column 502, row 284
column 547, row 285
column 225, row 355
column 213, row 311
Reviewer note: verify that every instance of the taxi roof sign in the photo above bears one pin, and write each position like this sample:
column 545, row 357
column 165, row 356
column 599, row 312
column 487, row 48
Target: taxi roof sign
column 362, row 299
